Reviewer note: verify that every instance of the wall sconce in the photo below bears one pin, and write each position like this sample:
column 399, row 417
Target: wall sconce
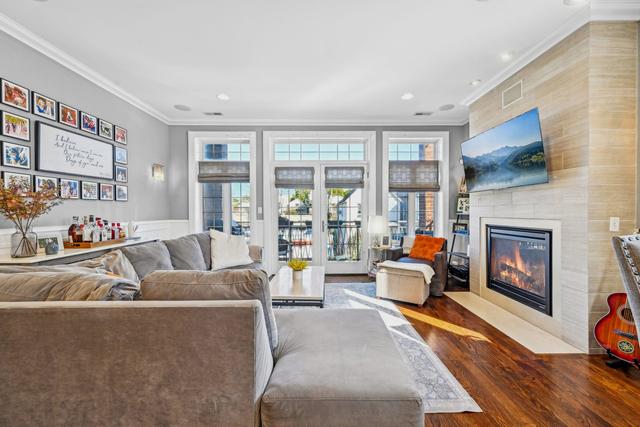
column 157, row 172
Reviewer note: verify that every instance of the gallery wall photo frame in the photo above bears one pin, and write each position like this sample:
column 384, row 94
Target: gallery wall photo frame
column 68, row 115
column 122, row 193
column 52, row 157
column 122, row 173
column 16, row 126
column 120, row 135
column 88, row 123
column 22, row 179
column 69, row 188
column 15, row 95
column 40, row 182
column 121, row 155
column 89, row 190
column 106, row 192
column 16, row 155
column 44, row 106
column 105, row 129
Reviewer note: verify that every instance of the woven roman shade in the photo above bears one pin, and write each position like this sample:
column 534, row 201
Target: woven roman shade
column 343, row 177
column 294, row 177
column 223, row 171
column 414, row 175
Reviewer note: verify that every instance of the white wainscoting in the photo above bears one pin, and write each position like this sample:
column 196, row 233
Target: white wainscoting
column 159, row 229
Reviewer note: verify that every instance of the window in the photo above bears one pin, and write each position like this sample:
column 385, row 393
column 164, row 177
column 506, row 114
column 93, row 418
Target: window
column 319, row 151
column 295, row 219
column 411, row 213
column 226, row 207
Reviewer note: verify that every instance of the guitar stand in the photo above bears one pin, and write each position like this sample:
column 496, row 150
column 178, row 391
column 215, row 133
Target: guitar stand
column 620, row 364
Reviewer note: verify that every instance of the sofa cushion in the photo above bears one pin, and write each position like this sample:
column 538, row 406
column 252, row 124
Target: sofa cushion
column 425, row 247
column 409, row 260
column 204, row 241
column 241, row 284
column 63, row 283
column 338, row 368
column 185, row 253
column 228, row 250
column 148, row 257
column 112, row 262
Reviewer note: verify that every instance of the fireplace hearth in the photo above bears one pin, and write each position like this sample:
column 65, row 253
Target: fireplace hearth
column 519, row 265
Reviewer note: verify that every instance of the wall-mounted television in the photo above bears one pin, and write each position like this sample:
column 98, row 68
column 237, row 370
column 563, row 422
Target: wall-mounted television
column 508, row 155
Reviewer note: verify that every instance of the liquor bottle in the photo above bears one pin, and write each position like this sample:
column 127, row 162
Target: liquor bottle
column 115, row 234
column 95, row 234
column 87, row 231
column 74, row 229
column 121, row 232
column 106, row 232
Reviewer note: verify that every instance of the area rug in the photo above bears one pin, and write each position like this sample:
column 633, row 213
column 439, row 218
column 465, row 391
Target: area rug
column 440, row 391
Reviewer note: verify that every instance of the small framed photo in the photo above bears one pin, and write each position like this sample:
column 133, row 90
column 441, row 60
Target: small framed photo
column 16, row 155
column 15, row 95
column 121, row 155
column 460, row 228
column 105, row 129
column 122, row 193
column 67, row 115
column 88, row 123
column 44, row 106
column 45, row 182
column 385, row 242
column 20, row 181
column 89, row 190
column 120, row 134
column 69, row 188
column 106, row 191
column 44, row 238
column 122, row 174
column 463, row 205
column 16, row 126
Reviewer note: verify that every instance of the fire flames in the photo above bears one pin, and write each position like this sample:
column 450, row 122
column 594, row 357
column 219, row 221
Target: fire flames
column 509, row 267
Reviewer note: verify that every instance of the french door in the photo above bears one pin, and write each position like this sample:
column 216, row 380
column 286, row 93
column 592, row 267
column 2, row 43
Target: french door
column 324, row 222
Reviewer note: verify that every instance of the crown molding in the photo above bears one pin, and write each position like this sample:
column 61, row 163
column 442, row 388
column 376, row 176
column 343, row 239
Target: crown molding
column 299, row 122
column 597, row 10
column 34, row 41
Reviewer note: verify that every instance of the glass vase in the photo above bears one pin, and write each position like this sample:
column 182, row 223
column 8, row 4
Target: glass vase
column 24, row 245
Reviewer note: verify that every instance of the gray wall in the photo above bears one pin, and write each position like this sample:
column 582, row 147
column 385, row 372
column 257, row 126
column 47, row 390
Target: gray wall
column 148, row 137
column 178, row 168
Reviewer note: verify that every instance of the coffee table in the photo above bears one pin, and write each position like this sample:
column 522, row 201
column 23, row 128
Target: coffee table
column 306, row 291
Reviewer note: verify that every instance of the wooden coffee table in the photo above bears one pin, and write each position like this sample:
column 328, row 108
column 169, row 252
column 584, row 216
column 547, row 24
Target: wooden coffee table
column 308, row 291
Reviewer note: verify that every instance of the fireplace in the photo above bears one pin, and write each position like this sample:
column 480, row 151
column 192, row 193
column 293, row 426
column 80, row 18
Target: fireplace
column 519, row 265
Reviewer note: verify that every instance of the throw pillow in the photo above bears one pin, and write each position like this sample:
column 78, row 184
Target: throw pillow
column 186, row 254
column 228, row 251
column 148, row 257
column 204, row 240
column 112, row 262
column 426, row 247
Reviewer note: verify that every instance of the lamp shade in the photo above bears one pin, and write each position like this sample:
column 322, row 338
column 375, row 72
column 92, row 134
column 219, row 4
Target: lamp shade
column 377, row 224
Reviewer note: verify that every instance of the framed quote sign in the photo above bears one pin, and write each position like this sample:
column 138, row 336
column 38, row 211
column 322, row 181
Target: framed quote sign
column 61, row 151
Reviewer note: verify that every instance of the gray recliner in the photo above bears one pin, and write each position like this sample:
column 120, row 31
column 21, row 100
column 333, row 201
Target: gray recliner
column 627, row 250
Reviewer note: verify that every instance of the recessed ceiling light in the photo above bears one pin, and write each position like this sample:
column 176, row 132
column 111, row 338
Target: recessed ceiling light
column 212, row 113
column 506, row 56
column 223, row 97
column 407, row 96
column 447, row 107
column 423, row 113
column 574, row 2
column 181, row 107
column 475, row 82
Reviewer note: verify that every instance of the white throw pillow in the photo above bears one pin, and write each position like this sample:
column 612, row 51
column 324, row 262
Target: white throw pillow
column 228, row 251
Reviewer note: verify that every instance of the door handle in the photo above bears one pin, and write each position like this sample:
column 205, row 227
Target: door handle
column 323, row 226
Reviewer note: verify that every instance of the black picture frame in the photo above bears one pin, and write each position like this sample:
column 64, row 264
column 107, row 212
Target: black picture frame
column 102, row 186
column 117, row 128
column 117, row 195
column 118, row 168
column 4, row 157
column 117, row 149
column 107, row 135
column 22, row 175
column 35, row 182
column 34, row 109
column 93, row 183
column 61, row 120
column 84, row 114
column 38, row 144
column 4, row 128
column 27, row 108
column 77, row 196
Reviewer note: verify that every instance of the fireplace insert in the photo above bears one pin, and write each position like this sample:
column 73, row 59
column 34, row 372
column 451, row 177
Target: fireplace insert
column 519, row 265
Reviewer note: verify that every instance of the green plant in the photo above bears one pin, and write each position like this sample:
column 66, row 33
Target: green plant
column 298, row 264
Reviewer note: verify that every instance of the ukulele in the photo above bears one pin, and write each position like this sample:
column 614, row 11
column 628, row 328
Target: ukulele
column 616, row 332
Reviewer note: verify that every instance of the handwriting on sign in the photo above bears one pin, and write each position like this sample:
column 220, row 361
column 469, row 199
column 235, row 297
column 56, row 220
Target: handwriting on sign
column 77, row 157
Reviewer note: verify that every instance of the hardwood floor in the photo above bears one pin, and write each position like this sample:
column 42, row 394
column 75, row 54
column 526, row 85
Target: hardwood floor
column 513, row 386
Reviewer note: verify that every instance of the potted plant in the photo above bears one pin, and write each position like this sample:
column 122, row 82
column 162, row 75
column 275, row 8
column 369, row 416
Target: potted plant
column 297, row 265
column 22, row 206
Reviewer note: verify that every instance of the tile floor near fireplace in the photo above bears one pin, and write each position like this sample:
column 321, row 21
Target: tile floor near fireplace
column 519, row 265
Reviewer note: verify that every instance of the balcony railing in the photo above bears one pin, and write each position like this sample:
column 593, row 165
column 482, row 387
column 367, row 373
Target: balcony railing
column 344, row 241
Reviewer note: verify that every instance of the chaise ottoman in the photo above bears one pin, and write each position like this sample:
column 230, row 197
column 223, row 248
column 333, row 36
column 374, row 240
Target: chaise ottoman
column 338, row 368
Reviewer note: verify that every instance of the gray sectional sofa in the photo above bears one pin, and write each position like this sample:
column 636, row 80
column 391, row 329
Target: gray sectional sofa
column 194, row 347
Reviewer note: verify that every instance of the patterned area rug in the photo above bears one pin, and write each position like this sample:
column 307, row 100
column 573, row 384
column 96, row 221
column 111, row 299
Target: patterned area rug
column 440, row 391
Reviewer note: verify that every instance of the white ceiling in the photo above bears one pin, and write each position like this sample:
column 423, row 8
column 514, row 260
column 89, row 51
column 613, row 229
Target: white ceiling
column 293, row 61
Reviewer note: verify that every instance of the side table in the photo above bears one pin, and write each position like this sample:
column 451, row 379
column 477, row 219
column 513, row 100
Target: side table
column 379, row 254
